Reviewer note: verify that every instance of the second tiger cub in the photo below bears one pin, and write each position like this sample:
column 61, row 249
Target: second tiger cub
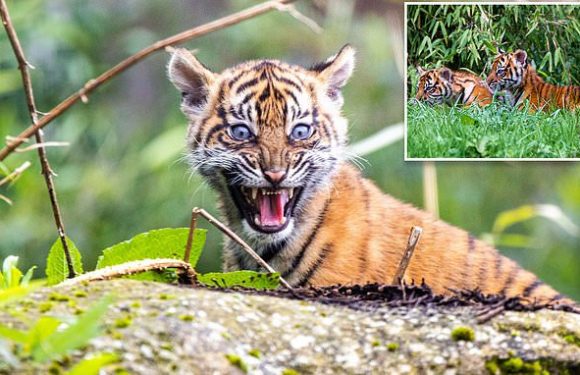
column 443, row 85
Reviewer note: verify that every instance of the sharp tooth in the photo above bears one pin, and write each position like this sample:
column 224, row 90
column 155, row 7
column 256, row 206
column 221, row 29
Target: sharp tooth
column 254, row 193
column 257, row 220
column 264, row 192
column 290, row 193
column 283, row 220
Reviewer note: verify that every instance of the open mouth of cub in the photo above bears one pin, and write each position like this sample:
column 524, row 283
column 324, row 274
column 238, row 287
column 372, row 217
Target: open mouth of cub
column 265, row 209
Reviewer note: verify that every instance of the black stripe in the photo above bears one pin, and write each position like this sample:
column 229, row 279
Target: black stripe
column 213, row 131
column 272, row 249
column 247, row 84
column 510, row 280
column 296, row 262
column 291, row 83
column 498, row 265
column 236, row 78
column 470, row 243
column 530, row 288
column 326, row 249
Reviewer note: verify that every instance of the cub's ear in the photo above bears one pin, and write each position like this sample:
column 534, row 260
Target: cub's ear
column 521, row 56
column 420, row 70
column 336, row 71
column 190, row 77
column 446, row 74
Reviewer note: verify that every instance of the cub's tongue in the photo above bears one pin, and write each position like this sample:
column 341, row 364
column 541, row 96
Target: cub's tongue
column 272, row 208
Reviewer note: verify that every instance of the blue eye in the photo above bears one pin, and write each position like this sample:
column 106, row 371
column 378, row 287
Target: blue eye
column 301, row 132
column 240, row 132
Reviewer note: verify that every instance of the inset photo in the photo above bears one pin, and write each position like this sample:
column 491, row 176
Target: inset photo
column 492, row 82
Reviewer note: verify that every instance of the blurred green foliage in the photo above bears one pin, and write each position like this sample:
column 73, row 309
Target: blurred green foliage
column 468, row 36
column 123, row 173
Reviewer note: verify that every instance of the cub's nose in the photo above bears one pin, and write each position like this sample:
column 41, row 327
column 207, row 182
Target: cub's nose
column 275, row 176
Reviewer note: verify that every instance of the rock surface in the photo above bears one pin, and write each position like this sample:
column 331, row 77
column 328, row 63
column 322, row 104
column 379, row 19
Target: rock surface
column 163, row 329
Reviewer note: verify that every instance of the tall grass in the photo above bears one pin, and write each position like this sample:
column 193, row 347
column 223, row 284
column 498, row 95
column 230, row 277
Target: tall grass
column 492, row 132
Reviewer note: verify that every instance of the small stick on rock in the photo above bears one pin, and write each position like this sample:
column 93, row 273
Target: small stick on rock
column 131, row 268
column 228, row 232
column 411, row 245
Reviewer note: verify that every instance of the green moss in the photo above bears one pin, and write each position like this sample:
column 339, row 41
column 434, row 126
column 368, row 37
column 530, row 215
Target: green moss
column 463, row 334
column 123, row 322
column 392, row 346
column 516, row 365
column 166, row 346
column 136, row 304
column 255, row 353
column 116, row 334
column 236, row 360
column 45, row 306
column 80, row 293
column 164, row 296
column 570, row 337
column 186, row 317
column 58, row 297
column 289, row 371
column 376, row 343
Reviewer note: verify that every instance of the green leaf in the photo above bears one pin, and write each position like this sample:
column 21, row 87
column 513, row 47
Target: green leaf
column 12, row 334
column 91, row 366
column 8, row 266
column 28, row 276
column 40, row 332
column 523, row 213
column 247, row 279
column 156, row 244
column 56, row 267
column 76, row 335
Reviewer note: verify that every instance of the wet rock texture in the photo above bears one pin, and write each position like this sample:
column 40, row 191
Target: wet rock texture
column 163, row 329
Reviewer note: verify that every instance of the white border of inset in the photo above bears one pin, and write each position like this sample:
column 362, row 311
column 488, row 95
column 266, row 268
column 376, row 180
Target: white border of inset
column 405, row 56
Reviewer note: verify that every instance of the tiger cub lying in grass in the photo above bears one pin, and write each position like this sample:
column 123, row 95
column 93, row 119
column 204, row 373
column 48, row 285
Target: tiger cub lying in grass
column 443, row 85
column 513, row 73
column 270, row 138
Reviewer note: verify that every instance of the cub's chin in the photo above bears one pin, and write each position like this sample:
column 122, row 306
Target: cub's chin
column 266, row 210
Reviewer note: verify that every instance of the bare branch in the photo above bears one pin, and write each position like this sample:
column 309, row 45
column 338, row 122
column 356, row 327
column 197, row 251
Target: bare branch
column 404, row 263
column 23, row 65
column 5, row 199
column 430, row 194
column 44, row 144
column 291, row 9
column 92, row 84
column 228, row 232
column 16, row 173
column 131, row 268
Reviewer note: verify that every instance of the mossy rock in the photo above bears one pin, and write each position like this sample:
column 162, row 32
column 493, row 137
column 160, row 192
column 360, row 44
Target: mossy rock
column 182, row 330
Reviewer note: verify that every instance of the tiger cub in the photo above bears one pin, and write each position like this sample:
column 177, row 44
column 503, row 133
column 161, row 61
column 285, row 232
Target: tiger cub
column 513, row 72
column 269, row 137
column 443, row 85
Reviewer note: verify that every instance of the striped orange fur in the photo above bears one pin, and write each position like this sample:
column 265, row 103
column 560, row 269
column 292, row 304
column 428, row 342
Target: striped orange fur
column 513, row 73
column 443, row 85
column 270, row 138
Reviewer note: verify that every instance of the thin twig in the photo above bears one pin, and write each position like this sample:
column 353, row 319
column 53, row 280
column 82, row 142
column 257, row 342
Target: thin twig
column 15, row 173
column 192, row 225
column 195, row 32
column 23, row 65
column 430, row 194
column 44, row 144
column 404, row 263
column 131, row 268
column 228, row 232
column 5, row 199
